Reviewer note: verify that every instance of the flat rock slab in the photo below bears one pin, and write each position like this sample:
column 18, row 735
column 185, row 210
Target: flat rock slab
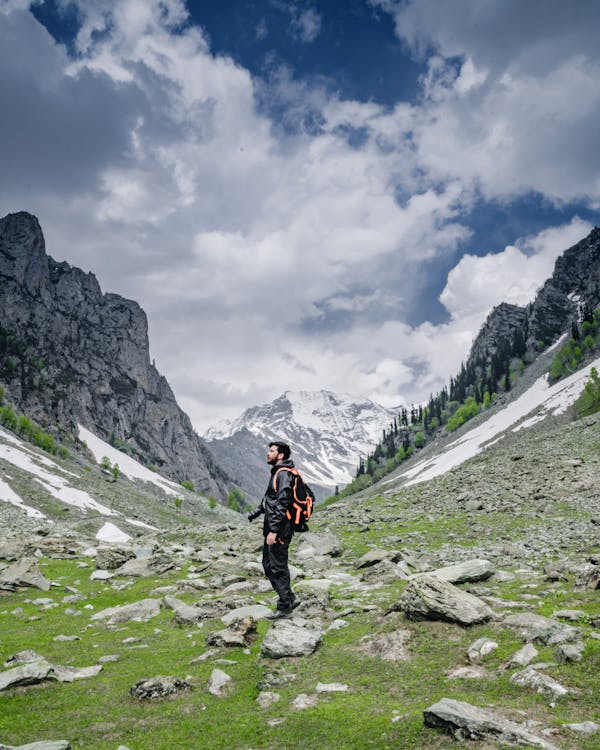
column 318, row 544
column 429, row 598
column 184, row 613
column 480, row 648
column 33, row 673
column 523, row 656
column 541, row 683
column 140, row 611
column 43, row 745
column 289, row 638
column 145, row 567
column 541, row 629
column 158, row 687
column 467, row 722
column 387, row 646
column 25, row 572
column 256, row 611
column 219, row 683
column 470, row 570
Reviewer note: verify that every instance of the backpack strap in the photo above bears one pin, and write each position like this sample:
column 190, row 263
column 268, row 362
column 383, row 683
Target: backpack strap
column 294, row 471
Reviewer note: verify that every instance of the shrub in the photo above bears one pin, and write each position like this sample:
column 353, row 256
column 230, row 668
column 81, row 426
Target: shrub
column 2, row 393
column 467, row 411
column 115, row 471
column 212, row 502
column 589, row 401
column 105, row 463
column 419, row 440
column 188, row 486
column 236, row 500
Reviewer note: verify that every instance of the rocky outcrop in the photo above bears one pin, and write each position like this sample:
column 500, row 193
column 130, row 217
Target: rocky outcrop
column 70, row 355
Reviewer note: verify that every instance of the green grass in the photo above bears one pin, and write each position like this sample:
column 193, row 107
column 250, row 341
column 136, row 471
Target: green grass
column 98, row 713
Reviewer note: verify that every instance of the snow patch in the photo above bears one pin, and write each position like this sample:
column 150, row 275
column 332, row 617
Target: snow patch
column 34, row 463
column 128, row 466
column 112, row 534
column 8, row 495
column 553, row 400
column 141, row 524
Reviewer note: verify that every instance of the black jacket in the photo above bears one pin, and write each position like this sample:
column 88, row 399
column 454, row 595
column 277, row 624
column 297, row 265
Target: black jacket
column 277, row 500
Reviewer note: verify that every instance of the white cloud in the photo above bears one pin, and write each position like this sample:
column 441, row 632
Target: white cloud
column 266, row 258
column 306, row 25
column 476, row 284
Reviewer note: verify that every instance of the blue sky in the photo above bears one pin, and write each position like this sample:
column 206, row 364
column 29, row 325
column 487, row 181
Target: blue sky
column 304, row 195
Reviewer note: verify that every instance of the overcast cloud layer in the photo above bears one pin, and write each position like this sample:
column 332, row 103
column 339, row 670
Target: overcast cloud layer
column 286, row 253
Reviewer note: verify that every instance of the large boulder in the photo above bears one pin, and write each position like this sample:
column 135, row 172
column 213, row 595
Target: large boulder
column 465, row 721
column 25, row 572
column 540, row 629
column 290, row 638
column 429, row 598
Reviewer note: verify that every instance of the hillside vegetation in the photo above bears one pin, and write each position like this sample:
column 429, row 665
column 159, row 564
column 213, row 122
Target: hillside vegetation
column 530, row 506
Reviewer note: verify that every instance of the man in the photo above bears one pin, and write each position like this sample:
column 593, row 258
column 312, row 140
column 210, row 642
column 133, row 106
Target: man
column 277, row 527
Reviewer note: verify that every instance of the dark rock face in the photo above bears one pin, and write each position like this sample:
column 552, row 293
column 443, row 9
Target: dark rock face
column 575, row 280
column 501, row 325
column 70, row 355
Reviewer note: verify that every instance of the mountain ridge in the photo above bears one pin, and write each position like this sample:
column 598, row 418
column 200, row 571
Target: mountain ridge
column 71, row 355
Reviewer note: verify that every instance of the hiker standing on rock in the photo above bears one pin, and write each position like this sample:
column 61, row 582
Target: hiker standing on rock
column 278, row 526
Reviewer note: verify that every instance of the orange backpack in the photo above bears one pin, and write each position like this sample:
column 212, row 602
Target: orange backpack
column 303, row 502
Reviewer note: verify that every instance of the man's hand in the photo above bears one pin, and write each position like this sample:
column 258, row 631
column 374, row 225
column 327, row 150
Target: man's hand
column 271, row 538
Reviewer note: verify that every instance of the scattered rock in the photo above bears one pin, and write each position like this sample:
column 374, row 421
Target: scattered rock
column 111, row 558
column 542, row 629
column 266, row 699
column 523, row 656
column 158, row 687
column 539, row 682
column 239, row 633
column 184, row 613
column 146, row 567
column 588, row 579
column 467, row 673
column 470, row 570
column 43, row 745
column 331, row 687
column 569, row 652
column 25, row 572
column 256, row 611
column 290, row 638
column 219, row 683
column 465, row 721
column 480, row 648
column 387, row 646
column 428, row 597
column 304, row 701
column 585, row 727
column 141, row 611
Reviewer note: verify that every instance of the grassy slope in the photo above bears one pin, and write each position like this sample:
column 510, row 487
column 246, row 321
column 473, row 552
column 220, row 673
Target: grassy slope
column 98, row 713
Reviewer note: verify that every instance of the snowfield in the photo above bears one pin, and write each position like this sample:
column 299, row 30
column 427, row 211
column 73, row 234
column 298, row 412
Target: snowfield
column 543, row 398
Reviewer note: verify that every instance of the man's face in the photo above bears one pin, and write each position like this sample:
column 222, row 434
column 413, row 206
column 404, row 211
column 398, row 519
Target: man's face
column 273, row 455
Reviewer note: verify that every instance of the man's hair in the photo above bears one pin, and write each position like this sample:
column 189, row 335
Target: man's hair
column 282, row 448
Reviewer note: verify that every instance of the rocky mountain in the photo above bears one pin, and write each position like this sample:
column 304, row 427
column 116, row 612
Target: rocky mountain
column 71, row 355
column 575, row 282
column 326, row 431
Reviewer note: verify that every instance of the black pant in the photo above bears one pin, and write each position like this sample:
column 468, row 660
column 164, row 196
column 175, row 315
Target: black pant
column 275, row 564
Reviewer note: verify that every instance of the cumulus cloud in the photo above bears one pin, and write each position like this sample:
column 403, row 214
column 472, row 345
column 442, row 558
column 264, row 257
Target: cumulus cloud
column 270, row 256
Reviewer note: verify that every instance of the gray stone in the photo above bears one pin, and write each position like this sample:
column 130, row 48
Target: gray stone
column 141, row 611
column 25, row 572
column 373, row 557
column 111, row 558
column 467, row 673
column 541, row 629
column 570, row 614
column 304, row 701
column 588, row 579
column 43, row 745
column 239, row 633
column 585, row 727
column 146, row 567
column 480, row 648
column 290, row 638
column 539, row 682
column 256, row 611
column 331, row 687
column 219, row 683
column 184, row 613
column 523, row 656
column 465, row 721
column 387, row 646
column 31, row 673
column 317, row 544
column 158, row 687
column 266, row 699
column 428, row 597
column 569, row 652
column 469, row 570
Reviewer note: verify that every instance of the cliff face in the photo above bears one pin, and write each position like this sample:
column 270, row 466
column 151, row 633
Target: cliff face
column 70, row 354
column 575, row 281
